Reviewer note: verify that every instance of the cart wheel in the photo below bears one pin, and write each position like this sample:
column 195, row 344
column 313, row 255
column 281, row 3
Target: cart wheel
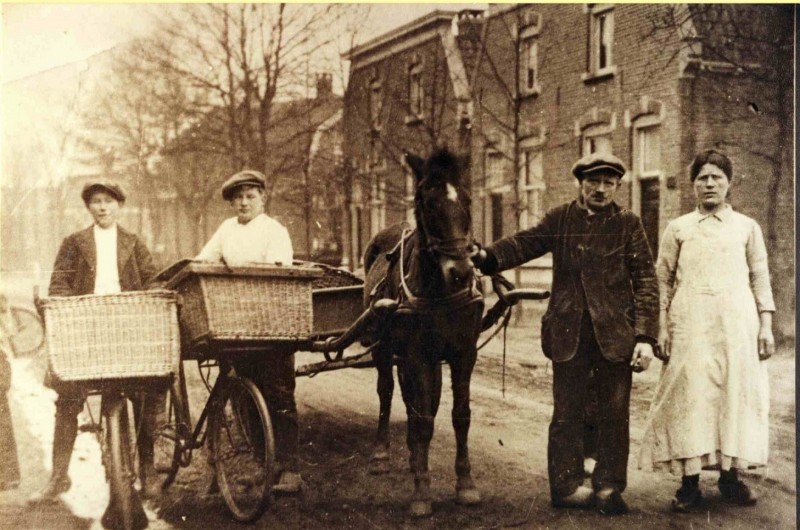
column 172, row 444
column 124, row 507
column 244, row 449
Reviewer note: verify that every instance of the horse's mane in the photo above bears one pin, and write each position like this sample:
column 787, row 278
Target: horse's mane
column 443, row 166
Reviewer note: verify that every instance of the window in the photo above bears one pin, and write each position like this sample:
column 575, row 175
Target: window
column 375, row 104
column 377, row 204
column 601, row 41
column 647, row 151
column 529, row 76
column 529, row 28
column 493, row 169
column 494, row 188
column 531, row 184
column 416, row 93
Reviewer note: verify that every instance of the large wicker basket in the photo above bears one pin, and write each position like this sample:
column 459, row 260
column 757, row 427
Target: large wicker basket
column 252, row 303
column 95, row 338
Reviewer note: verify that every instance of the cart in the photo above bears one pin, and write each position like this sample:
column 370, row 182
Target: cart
column 228, row 313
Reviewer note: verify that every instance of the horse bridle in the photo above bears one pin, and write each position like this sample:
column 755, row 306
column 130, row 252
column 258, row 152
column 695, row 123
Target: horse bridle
column 457, row 248
column 412, row 303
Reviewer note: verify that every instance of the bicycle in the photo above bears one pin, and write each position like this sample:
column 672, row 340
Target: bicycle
column 23, row 327
column 115, row 346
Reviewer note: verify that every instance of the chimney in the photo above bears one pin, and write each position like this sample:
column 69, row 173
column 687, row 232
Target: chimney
column 324, row 85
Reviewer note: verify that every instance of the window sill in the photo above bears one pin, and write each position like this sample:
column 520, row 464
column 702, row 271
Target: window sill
column 600, row 75
column 412, row 119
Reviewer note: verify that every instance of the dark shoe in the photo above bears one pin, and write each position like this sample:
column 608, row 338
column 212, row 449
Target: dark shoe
column 51, row 491
column 737, row 493
column 686, row 498
column 290, row 483
column 580, row 498
column 608, row 501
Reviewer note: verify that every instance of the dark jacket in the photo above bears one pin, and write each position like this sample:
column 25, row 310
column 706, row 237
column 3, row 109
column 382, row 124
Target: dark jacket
column 605, row 256
column 76, row 262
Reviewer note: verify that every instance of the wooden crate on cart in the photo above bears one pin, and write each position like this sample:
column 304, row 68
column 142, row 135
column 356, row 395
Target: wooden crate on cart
column 93, row 339
column 235, row 305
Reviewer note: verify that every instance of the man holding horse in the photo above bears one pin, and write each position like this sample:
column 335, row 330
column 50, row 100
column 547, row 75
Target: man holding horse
column 602, row 319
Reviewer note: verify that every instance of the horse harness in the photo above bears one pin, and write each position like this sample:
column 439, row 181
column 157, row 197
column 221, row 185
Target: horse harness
column 410, row 303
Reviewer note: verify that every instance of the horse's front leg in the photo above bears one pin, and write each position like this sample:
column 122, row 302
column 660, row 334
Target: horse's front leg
column 379, row 461
column 461, row 373
column 422, row 385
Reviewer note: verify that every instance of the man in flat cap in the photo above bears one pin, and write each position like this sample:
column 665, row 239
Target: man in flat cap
column 101, row 259
column 602, row 319
column 254, row 237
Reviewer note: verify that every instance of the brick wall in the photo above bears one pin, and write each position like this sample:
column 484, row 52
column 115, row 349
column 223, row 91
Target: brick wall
column 378, row 154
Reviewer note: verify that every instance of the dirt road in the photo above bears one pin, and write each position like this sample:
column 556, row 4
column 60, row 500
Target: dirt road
column 508, row 444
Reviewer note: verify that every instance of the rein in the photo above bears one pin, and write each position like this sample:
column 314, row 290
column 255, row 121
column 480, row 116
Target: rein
column 410, row 303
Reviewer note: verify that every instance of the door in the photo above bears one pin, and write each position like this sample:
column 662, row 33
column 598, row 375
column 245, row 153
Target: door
column 650, row 199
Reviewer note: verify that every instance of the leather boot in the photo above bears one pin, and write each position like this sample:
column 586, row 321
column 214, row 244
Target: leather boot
column 66, row 429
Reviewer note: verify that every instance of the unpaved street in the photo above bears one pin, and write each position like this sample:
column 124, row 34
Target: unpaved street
column 508, row 449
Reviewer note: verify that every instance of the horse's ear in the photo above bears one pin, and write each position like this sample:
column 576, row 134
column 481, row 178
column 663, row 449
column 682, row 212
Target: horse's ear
column 416, row 164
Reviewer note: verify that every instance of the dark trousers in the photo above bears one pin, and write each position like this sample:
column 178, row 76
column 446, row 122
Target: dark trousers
column 565, row 451
column 69, row 404
column 9, row 465
column 273, row 374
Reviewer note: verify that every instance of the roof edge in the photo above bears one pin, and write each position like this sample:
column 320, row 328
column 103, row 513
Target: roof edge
column 431, row 19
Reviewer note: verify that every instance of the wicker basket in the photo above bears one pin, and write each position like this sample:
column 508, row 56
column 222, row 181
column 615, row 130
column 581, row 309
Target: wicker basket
column 251, row 303
column 95, row 338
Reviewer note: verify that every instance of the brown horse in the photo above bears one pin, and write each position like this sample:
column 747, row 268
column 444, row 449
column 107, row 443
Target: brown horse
column 429, row 272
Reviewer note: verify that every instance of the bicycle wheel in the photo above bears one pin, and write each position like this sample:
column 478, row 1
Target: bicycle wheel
column 29, row 336
column 172, row 443
column 125, row 509
column 244, row 449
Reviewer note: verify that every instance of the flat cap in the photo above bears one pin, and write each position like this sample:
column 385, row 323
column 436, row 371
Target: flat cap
column 598, row 162
column 247, row 177
column 112, row 188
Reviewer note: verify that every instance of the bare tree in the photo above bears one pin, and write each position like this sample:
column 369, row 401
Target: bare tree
column 244, row 58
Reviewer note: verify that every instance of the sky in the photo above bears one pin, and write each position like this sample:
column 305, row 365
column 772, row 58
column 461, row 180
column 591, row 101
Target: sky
column 37, row 37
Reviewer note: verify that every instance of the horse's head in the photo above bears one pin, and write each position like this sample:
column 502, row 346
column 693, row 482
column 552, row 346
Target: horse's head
column 442, row 210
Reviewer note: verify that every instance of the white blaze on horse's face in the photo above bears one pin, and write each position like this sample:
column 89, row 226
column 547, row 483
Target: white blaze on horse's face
column 452, row 193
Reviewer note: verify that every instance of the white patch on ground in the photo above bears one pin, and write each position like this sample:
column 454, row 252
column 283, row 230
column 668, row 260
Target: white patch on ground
column 88, row 496
column 452, row 193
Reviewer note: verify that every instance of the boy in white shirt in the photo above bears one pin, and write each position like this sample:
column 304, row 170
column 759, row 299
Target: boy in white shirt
column 254, row 237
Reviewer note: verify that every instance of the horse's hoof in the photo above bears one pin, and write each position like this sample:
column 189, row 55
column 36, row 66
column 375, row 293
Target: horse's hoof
column 468, row 496
column 420, row 508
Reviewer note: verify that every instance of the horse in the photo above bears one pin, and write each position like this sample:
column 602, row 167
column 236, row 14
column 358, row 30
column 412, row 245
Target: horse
column 428, row 270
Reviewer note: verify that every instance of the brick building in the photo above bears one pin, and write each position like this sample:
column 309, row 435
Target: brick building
column 408, row 90
column 552, row 82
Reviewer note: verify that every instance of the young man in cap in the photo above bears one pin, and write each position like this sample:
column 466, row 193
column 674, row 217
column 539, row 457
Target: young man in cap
column 602, row 317
column 253, row 237
column 102, row 259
